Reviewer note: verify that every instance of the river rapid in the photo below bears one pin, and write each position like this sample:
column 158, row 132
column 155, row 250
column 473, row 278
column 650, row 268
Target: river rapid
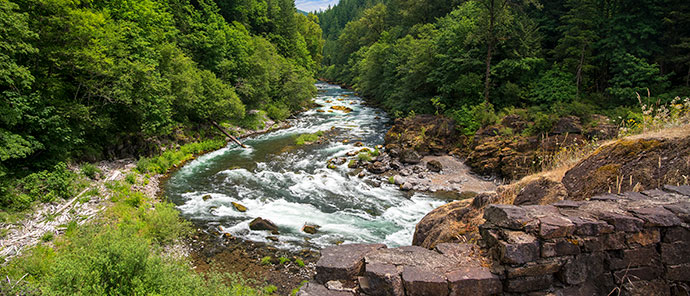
column 291, row 185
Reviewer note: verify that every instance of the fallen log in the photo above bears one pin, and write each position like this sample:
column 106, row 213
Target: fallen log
column 228, row 135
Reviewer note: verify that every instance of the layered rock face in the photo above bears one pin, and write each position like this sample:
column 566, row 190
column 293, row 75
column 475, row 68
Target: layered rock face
column 635, row 243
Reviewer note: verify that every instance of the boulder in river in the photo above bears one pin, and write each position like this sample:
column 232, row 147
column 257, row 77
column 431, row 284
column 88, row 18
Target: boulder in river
column 377, row 167
column 206, row 197
column 410, row 156
column 239, row 207
column 262, row 224
column 434, row 166
column 310, row 228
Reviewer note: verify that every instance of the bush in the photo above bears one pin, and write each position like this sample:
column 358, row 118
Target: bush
column 278, row 111
column 364, row 156
column 164, row 225
column 308, row 138
column 47, row 185
column 91, row 171
column 170, row 158
column 471, row 119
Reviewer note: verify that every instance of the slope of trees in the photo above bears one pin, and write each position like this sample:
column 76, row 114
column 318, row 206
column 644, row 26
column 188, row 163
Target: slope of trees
column 78, row 79
column 429, row 56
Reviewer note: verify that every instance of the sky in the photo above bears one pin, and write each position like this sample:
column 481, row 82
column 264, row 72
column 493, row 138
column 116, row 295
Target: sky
column 312, row 5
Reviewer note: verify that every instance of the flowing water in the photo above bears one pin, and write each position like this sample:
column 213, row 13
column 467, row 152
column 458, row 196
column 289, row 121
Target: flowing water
column 290, row 185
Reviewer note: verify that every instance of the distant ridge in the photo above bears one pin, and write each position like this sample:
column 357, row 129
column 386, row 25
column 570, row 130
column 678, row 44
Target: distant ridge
column 302, row 12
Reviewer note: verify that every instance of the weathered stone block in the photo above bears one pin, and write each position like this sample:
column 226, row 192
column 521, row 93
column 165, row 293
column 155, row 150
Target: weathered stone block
column 383, row 280
column 527, row 284
column 315, row 289
column 679, row 272
column 518, row 248
column 590, row 227
column 656, row 216
column 560, row 247
column 343, row 262
column 682, row 190
column 640, row 273
column 461, row 254
column 592, row 244
column 642, row 256
column 614, row 241
column 508, row 216
column 555, row 226
column 646, row 237
column 423, row 282
column 681, row 209
column 541, row 267
column 580, row 268
column 473, row 281
column 676, row 252
column 622, row 222
column 675, row 234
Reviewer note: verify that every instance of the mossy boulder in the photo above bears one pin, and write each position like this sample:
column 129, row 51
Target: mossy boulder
column 630, row 164
column 239, row 207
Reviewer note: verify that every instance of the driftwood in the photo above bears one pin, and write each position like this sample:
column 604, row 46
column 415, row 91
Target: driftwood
column 228, row 135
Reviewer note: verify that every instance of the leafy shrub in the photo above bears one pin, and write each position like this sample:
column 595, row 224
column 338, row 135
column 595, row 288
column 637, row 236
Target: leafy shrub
column 364, row 156
column 266, row 260
column 48, row 236
column 171, row 158
column 47, row 185
column 308, row 138
column 299, row 262
column 131, row 178
column 283, row 260
column 278, row 111
column 554, row 86
column 91, row 171
column 471, row 119
column 164, row 224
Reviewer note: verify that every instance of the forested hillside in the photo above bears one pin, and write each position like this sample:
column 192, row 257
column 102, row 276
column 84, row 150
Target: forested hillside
column 93, row 79
column 469, row 59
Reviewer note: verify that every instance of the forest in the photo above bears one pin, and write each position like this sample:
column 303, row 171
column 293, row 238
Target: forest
column 92, row 80
column 471, row 59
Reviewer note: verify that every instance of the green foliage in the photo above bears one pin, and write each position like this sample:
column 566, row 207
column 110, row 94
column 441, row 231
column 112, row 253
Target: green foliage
column 170, row 158
column 45, row 186
column 364, row 157
column 299, row 262
column 48, row 236
column 90, row 170
column 554, row 86
column 470, row 119
column 308, row 138
column 283, row 260
column 266, row 260
column 448, row 57
column 131, row 178
column 164, row 225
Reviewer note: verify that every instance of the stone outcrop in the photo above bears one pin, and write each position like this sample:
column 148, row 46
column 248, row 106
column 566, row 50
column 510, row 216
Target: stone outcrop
column 262, row 224
column 630, row 164
column 635, row 243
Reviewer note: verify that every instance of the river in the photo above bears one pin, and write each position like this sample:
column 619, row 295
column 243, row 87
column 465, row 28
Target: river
column 291, row 185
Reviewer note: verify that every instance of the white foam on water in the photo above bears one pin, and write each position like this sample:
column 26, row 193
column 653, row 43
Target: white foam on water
column 295, row 187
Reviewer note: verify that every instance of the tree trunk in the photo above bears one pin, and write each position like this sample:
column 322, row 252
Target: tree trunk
column 228, row 135
column 578, row 74
column 489, row 51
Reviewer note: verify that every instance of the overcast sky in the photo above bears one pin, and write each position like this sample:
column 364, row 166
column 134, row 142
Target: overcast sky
column 312, row 5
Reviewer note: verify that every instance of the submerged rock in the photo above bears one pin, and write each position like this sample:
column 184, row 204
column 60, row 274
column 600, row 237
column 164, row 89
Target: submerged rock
column 262, row 224
column 206, row 197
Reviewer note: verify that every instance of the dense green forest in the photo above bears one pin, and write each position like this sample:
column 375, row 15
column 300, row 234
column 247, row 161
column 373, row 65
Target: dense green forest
column 468, row 59
column 90, row 80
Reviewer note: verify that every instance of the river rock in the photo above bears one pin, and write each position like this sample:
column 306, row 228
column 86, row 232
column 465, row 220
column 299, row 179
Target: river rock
column 206, row 197
column 343, row 262
column 410, row 156
column 434, row 166
column 262, row 224
column 311, row 229
column 422, row 282
column 315, row 289
column 239, row 207
column 377, row 167
column 541, row 191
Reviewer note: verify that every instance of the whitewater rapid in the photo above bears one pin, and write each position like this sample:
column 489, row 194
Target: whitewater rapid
column 291, row 185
